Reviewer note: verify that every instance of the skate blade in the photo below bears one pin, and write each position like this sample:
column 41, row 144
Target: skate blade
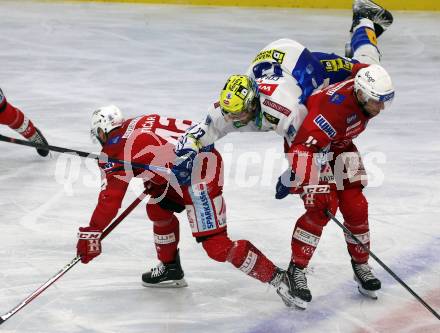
column 287, row 299
column 300, row 304
column 167, row 284
column 367, row 293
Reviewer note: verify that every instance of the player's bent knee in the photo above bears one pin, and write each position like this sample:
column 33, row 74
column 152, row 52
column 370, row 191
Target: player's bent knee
column 239, row 252
column 353, row 205
column 217, row 246
column 158, row 215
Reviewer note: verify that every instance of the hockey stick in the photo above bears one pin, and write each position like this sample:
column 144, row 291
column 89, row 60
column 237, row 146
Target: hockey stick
column 72, row 263
column 101, row 157
column 385, row 267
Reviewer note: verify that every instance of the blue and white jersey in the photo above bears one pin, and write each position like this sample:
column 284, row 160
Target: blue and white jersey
column 336, row 68
column 288, row 56
column 281, row 111
column 311, row 70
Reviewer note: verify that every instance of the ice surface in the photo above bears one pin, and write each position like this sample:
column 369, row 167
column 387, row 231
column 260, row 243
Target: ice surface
column 61, row 61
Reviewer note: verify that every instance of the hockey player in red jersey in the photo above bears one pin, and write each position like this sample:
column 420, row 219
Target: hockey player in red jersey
column 150, row 140
column 16, row 120
column 336, row 116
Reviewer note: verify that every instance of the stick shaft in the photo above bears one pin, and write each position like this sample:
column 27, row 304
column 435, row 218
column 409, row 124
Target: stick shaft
column 71, row 264
column 385, row 267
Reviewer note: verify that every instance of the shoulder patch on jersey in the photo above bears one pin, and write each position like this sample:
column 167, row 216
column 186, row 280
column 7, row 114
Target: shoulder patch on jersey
column 216, row 105
column 278, row 107
column 271, row 119
column 114, row 140
column 325, row 126
column 267, row 88
column 352, row 118
column 272, row 54
column 337, row 98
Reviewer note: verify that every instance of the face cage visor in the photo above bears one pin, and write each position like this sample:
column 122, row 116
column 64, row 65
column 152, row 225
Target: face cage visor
column 249, row 105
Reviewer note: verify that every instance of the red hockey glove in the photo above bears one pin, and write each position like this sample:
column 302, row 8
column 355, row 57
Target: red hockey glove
column 89, row 243
column 319, row 198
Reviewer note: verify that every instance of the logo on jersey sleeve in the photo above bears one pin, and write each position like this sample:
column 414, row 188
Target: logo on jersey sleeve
column 325, row 126
column 278, row 107
column 267, row 88
column 271, row 119
column 335, row 65
column 114, row 140
column 352, row 118
column 270, row 55
column 337, row 99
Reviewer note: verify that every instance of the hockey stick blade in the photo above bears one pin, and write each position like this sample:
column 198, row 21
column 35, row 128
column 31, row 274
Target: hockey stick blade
column 72, row 263
column 100, row 158
column 381, row 263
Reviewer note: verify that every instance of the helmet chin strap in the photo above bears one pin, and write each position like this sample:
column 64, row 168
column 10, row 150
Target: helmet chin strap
column 102, row 137
column 101, row 142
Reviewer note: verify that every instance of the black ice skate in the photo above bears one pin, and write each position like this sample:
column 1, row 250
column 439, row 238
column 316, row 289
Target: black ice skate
column 281, row 281
column 41, row 140
column 298, row 286
column 367, row 282
column 165, row 276
column 380, row 17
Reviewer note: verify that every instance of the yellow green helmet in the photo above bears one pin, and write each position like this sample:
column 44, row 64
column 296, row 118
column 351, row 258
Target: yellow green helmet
column 239, row 94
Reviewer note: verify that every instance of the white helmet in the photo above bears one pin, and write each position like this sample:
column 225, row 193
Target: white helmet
column 375, row 83
column 106, row 118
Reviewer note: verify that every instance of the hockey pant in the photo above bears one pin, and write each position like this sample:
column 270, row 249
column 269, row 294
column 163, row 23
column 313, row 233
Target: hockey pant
column 15, row 119
column 206, row 211
column 347, row 166
column 308, row 229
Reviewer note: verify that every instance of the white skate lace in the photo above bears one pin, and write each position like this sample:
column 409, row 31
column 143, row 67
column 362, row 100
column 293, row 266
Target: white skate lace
column 363, row 271
column 158, row 270
column 36, row 138
column 276, row 281
column 300, row 280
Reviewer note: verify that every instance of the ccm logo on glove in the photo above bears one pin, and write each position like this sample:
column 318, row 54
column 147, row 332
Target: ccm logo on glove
column 89, row 244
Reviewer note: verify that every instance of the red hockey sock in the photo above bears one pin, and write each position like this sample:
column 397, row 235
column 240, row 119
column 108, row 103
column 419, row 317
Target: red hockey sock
column 306, row 236
column 354, row 209
column 166, row 239
column 242, row 254
column 15, row 119
column 247, row 258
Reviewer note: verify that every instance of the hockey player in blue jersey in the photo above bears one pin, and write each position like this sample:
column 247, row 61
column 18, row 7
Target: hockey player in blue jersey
column 272, row 94
column 314, row 70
